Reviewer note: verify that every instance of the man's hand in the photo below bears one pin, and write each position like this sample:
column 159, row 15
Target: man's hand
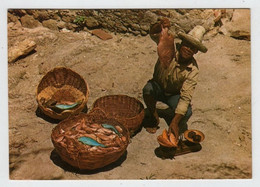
column 165, row 23
column 174, row 126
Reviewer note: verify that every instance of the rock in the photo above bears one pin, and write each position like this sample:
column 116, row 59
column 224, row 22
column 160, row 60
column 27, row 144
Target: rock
column 18, row 12
column 213, row 32
column 41, row 15
column 122, row 28
column 150, row 17
column 209, row 23
column 71, row 26
column 61, row 24
column 102, row 34
column 186, row 24
column 21, row 49
column 143, row 33
column 12, row 18
column 91, row 22
column 134, row 32
column 239, row 26
column 29, row 22
column 145, row 27
column 13, row 22
column 135, row 26
column 51, row 24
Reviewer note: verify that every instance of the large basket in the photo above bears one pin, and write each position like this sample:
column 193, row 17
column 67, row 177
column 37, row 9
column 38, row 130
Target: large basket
column 62, row 85
column 83, row 156
column 127, row 110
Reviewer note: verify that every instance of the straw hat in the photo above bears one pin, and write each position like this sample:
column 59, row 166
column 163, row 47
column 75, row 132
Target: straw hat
column 194, row 37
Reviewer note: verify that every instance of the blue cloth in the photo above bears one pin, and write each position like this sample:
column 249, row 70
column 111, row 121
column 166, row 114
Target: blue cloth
column 153, row 89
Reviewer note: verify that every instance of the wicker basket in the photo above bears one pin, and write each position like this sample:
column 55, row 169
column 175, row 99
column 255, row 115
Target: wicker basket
column 83, row 156
column 62, row 85
column 127, row 110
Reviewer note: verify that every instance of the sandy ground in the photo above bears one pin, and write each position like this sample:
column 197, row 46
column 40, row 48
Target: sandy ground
column 122, row 65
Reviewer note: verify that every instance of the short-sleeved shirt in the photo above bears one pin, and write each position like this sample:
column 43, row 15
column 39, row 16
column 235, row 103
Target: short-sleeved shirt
column 178, row 79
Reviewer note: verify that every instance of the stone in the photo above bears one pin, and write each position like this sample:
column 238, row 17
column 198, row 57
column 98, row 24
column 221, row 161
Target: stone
column 21, row 49
column 145, row 27
column 150, row 17
column 135, row 26
column 61, row 24
column 42, row 15
column 91, row 22
column 29, row 22
column 239, row 26
column 50, row 24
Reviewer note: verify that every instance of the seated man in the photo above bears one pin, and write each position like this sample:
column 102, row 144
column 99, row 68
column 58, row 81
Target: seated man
column 175, row 76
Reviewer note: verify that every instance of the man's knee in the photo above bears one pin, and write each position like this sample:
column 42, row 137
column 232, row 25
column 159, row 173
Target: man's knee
column 148, row 89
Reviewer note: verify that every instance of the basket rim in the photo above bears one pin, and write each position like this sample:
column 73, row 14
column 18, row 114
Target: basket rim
column 53, row 114
column 122, row 95
column 62, row 67
column 119, row 95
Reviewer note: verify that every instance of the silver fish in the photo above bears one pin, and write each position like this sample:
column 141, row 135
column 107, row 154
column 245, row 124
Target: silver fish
column 90, row 141
column 66, row 107
column 107, row 126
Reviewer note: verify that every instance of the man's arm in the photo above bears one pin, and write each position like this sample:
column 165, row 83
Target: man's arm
column 174, row 126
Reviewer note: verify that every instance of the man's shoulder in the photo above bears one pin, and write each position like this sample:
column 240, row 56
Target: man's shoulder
column 195, row 64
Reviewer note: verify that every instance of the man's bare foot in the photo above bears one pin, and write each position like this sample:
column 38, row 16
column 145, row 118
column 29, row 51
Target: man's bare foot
column 152, row 125
column 152, row 130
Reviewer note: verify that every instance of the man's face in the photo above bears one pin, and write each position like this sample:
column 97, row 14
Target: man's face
column 187, row 50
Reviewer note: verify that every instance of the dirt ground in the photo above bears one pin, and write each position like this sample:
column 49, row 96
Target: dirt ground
column 122, row 65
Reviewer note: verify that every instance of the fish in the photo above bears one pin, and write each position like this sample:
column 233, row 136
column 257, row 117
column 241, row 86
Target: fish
column 56, row 107
column 66, row 107
column 90, row 141
column 59, row 139
column 165, row 134
column 107, row 126
column 119, row 129
column 103, row 137
column 173, row 140
column 123, row 138
column 164, row 142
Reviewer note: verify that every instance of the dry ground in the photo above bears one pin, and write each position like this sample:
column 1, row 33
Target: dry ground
column 122, row 65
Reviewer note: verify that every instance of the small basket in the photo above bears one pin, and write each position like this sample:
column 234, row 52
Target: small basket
column 127, row 110
column 62, row 85
column 83, row 156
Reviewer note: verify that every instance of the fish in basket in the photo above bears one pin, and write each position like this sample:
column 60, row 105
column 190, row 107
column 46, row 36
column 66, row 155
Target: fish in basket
column 129, row 111
column 90, row 142
column 61, row 93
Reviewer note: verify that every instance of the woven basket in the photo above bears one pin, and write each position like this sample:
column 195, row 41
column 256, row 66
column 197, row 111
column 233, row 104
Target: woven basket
column 62, row 85
column 127, row 110
column 83, row 156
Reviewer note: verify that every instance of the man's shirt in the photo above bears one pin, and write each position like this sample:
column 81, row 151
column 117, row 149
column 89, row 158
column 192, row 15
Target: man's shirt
column 178, row 79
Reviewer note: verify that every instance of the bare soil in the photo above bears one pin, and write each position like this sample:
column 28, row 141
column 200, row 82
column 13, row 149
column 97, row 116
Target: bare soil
column 123, row 65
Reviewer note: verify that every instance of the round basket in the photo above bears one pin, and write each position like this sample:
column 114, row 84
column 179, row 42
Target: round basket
column 127, row 110
column 66, row 140
column 64, row 87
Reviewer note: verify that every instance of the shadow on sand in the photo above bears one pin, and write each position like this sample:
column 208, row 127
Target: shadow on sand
column 56, row 159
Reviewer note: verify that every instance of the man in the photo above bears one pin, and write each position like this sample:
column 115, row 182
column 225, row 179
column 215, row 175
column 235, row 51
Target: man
column 175, row 76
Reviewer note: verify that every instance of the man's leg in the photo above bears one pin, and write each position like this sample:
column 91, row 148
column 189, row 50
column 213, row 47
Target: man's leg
column 150, row 93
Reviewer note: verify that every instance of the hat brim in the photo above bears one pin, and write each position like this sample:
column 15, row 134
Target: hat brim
column 193, row 41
